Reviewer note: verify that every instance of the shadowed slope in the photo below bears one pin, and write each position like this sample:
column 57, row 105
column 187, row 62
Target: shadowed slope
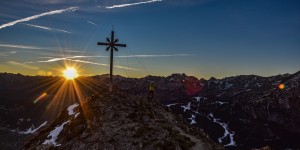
column 120, row 121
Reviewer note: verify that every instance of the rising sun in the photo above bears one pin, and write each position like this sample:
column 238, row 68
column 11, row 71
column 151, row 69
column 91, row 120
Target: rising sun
column 70, row 73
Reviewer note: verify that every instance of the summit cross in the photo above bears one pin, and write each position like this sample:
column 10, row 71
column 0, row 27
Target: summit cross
column 112, row 45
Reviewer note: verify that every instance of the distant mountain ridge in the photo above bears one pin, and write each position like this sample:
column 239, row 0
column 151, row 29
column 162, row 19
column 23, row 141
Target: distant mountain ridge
column 253, row 109
column 240, row 112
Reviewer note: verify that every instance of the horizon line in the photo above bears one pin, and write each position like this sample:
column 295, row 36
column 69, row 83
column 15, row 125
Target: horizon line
column 152, row 75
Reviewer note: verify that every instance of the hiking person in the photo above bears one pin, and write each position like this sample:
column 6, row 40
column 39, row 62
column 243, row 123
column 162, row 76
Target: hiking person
column 151, row 90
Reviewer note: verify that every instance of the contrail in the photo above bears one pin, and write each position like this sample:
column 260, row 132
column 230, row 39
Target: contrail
column 131, row 4
column 73, row 58
column 129, row 56
column 70, row 9
column 20, row 46
column 92, row 23
column 66, row 58
column 100, row 64
column 82, row 61
column 49, row 49
column 47, row 28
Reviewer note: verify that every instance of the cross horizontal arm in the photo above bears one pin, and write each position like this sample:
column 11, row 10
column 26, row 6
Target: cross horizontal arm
column 100, row 43
column 120, row 45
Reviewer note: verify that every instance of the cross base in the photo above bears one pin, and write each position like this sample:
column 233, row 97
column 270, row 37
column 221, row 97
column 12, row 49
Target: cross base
column 110, row 88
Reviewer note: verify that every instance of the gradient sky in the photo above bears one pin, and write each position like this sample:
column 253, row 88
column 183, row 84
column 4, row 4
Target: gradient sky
column 203, row 38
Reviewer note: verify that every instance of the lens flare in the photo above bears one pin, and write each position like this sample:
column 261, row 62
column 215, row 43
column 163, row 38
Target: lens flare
column 281, row 86
column 40, row 97
column 70, row 73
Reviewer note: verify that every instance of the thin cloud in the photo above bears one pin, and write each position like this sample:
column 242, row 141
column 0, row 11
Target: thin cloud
column 82, row 61
column 69, row 50
column 131, row 4
column 128, row 56
column 20, row 46
column 92, row 23
column 55, row 49
column 47, row 28
column 7, row 53
column 23, row 65
column 73, row 58
column 54, row 59
column 65, row 58
column 70, row 9
column 100, row 64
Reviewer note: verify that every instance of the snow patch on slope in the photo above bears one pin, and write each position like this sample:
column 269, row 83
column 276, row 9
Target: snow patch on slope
column 258, row 84
column 221, row 103
column 76, row 115
column 226, row 133
column 54, row 134
column 226, row 86
column 193, row 121
column 71, row 109
column 200, row 99
column 32, row 129
column 187, row 107
column 169, row 105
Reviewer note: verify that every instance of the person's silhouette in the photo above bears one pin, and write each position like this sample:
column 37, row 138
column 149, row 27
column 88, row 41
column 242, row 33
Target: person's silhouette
column 151, row 90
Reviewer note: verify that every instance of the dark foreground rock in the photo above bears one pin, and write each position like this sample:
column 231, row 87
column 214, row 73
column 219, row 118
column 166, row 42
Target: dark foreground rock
column 11, row 140
column 120, row 121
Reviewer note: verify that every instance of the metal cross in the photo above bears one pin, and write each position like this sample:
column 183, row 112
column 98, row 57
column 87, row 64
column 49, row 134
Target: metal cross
column 112, row 46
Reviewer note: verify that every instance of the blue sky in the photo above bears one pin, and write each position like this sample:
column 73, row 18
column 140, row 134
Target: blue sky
column 203, row 38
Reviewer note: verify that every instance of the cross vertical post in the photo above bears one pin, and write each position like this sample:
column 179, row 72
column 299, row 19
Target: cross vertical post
column 112, row 46
column 111, row 61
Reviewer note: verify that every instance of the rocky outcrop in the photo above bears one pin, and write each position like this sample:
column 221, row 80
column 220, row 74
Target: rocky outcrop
column 119, row 121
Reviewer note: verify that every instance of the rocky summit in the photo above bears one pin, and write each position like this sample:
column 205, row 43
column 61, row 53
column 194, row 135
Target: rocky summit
column 119, row 121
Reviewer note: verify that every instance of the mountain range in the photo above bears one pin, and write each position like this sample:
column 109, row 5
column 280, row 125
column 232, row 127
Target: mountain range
column 240, row 112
